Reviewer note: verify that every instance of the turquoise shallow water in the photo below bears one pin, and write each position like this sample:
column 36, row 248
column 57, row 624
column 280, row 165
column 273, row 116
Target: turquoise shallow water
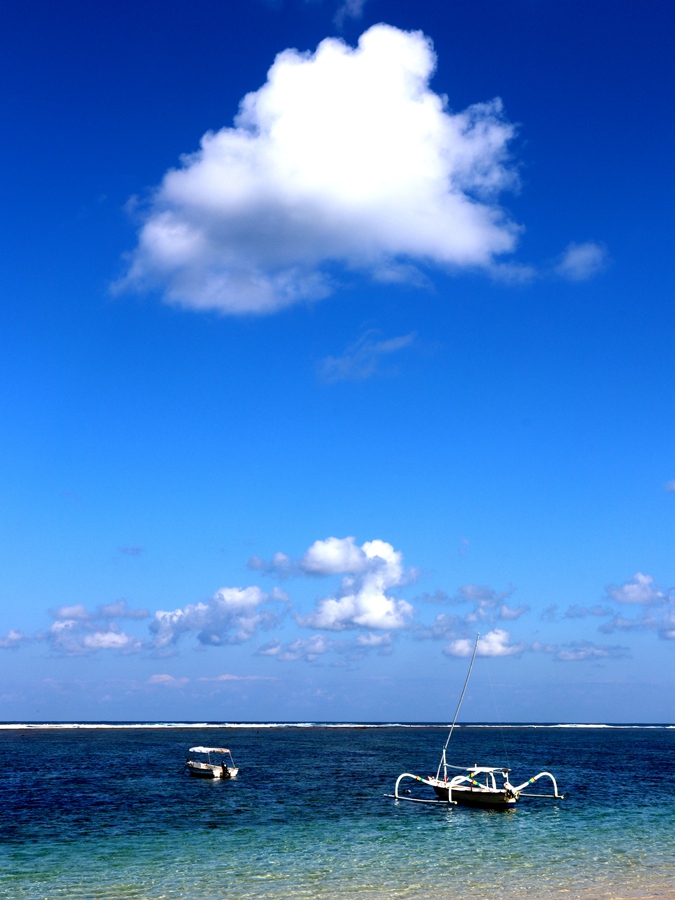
column 106, row 814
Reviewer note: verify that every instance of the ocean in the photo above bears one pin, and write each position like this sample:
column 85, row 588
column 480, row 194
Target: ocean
column 104, row 812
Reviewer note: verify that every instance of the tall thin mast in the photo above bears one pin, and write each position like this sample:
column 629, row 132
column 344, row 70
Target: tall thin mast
column 443, row 762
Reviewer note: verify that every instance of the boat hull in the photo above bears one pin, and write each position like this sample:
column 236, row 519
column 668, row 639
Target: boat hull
column 205, row 770
column 486, row 798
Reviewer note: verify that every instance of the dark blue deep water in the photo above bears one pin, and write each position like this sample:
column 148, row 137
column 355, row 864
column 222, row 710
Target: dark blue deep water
column 105, row 813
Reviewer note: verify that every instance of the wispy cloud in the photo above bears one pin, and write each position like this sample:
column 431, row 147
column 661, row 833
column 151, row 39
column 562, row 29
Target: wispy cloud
column 582, row 651
column 487, row 609
column 220, row 679
column 307, row 649
column 364, row 358
column 580, row 262
column 510, row 613
column 348, row 9
column 344, row 161
column 168, row 680
column 582, row 612
column 319, row 645
column 120, row 610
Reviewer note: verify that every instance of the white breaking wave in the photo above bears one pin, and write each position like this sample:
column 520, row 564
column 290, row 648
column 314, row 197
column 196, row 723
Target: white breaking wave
column 90, row 726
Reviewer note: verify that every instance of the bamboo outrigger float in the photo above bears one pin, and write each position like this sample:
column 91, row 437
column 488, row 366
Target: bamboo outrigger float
column 472, row 785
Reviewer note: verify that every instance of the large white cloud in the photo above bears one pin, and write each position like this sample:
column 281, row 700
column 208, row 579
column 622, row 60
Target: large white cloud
column 370, row 571
column 344, row 156
column 339, row 556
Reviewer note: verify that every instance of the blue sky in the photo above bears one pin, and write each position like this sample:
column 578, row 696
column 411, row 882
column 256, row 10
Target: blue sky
column 301, row 391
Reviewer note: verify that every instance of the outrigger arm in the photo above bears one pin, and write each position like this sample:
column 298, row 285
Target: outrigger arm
column 454, row 782
column 555, row 795
column 398, row 796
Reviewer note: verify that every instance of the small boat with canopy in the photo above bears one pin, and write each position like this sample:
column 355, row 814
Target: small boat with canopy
column 211, row 762
column 481, row 786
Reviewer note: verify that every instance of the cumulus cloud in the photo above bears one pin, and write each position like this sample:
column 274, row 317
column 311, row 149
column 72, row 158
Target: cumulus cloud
column 370, row 571
column 639, row 589
column 110, row 640
column 78, row 611
column 336, row 556
column 78, row 637
column 77, row 631
column 580, row 262
column 232, row 616
column 13, row 640
column 495, row 643
column 364, row 358
column 344, row 160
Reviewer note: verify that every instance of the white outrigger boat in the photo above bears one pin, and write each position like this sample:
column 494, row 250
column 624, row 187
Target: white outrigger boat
column 211, row 762
column 472, row 785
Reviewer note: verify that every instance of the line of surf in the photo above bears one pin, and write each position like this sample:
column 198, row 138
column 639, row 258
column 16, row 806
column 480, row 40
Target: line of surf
column 28, row 726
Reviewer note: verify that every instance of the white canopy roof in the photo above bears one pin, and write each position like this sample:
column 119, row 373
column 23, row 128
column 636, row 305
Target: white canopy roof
column 208, row 750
